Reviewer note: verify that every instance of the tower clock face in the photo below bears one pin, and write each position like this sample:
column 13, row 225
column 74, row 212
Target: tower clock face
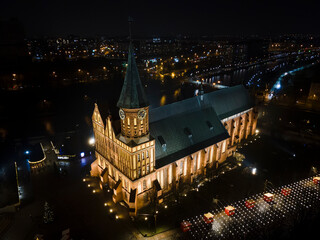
column 142, row 114
column 122, row 114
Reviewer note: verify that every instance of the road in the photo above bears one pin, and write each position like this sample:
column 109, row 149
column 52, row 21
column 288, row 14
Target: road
column 73, row 203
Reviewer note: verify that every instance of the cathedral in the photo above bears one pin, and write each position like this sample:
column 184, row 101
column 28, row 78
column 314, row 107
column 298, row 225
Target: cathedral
column 147, row 153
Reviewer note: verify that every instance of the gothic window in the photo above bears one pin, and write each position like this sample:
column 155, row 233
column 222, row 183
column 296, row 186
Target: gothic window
column 185, row 167
column 148, row 168
column 138, row 157
column 134, row 162
column 147, row 153
column 223, row 146
column 143, row 156
column 144, row 184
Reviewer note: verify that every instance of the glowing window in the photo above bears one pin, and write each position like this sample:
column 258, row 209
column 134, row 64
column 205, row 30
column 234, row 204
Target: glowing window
column 223, row 146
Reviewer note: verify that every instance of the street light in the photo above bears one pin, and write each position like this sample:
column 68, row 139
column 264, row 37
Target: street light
column 91, row 141
column 254, row 171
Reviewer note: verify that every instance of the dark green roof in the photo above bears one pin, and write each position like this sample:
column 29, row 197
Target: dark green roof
column 226, row 102
column 184, row 127
column 132, row 93
column 229, row 101
column 186, row 133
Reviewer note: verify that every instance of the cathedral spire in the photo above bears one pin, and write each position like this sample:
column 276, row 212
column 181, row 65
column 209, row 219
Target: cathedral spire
column 132, row 93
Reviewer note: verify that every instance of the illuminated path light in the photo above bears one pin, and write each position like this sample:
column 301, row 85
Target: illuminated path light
column 247, row 222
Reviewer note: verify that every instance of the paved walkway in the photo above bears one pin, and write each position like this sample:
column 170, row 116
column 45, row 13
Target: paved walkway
column 299, row 199
column 168, row 235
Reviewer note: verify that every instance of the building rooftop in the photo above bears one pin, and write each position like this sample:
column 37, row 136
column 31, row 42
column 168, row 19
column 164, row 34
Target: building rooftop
column 185, row 127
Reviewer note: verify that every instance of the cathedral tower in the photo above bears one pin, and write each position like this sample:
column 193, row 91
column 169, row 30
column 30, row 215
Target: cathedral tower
column 133, row 104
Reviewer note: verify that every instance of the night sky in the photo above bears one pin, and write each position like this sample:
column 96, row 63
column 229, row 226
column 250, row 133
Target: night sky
column 165, row 18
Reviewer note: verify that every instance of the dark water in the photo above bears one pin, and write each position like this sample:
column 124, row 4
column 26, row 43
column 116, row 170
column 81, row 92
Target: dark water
column 49, row 111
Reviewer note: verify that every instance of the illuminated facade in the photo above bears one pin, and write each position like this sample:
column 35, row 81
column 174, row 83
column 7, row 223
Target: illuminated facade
column 149, row 152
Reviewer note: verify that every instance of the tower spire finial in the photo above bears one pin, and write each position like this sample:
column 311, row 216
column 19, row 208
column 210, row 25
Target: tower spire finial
column 130, row 20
